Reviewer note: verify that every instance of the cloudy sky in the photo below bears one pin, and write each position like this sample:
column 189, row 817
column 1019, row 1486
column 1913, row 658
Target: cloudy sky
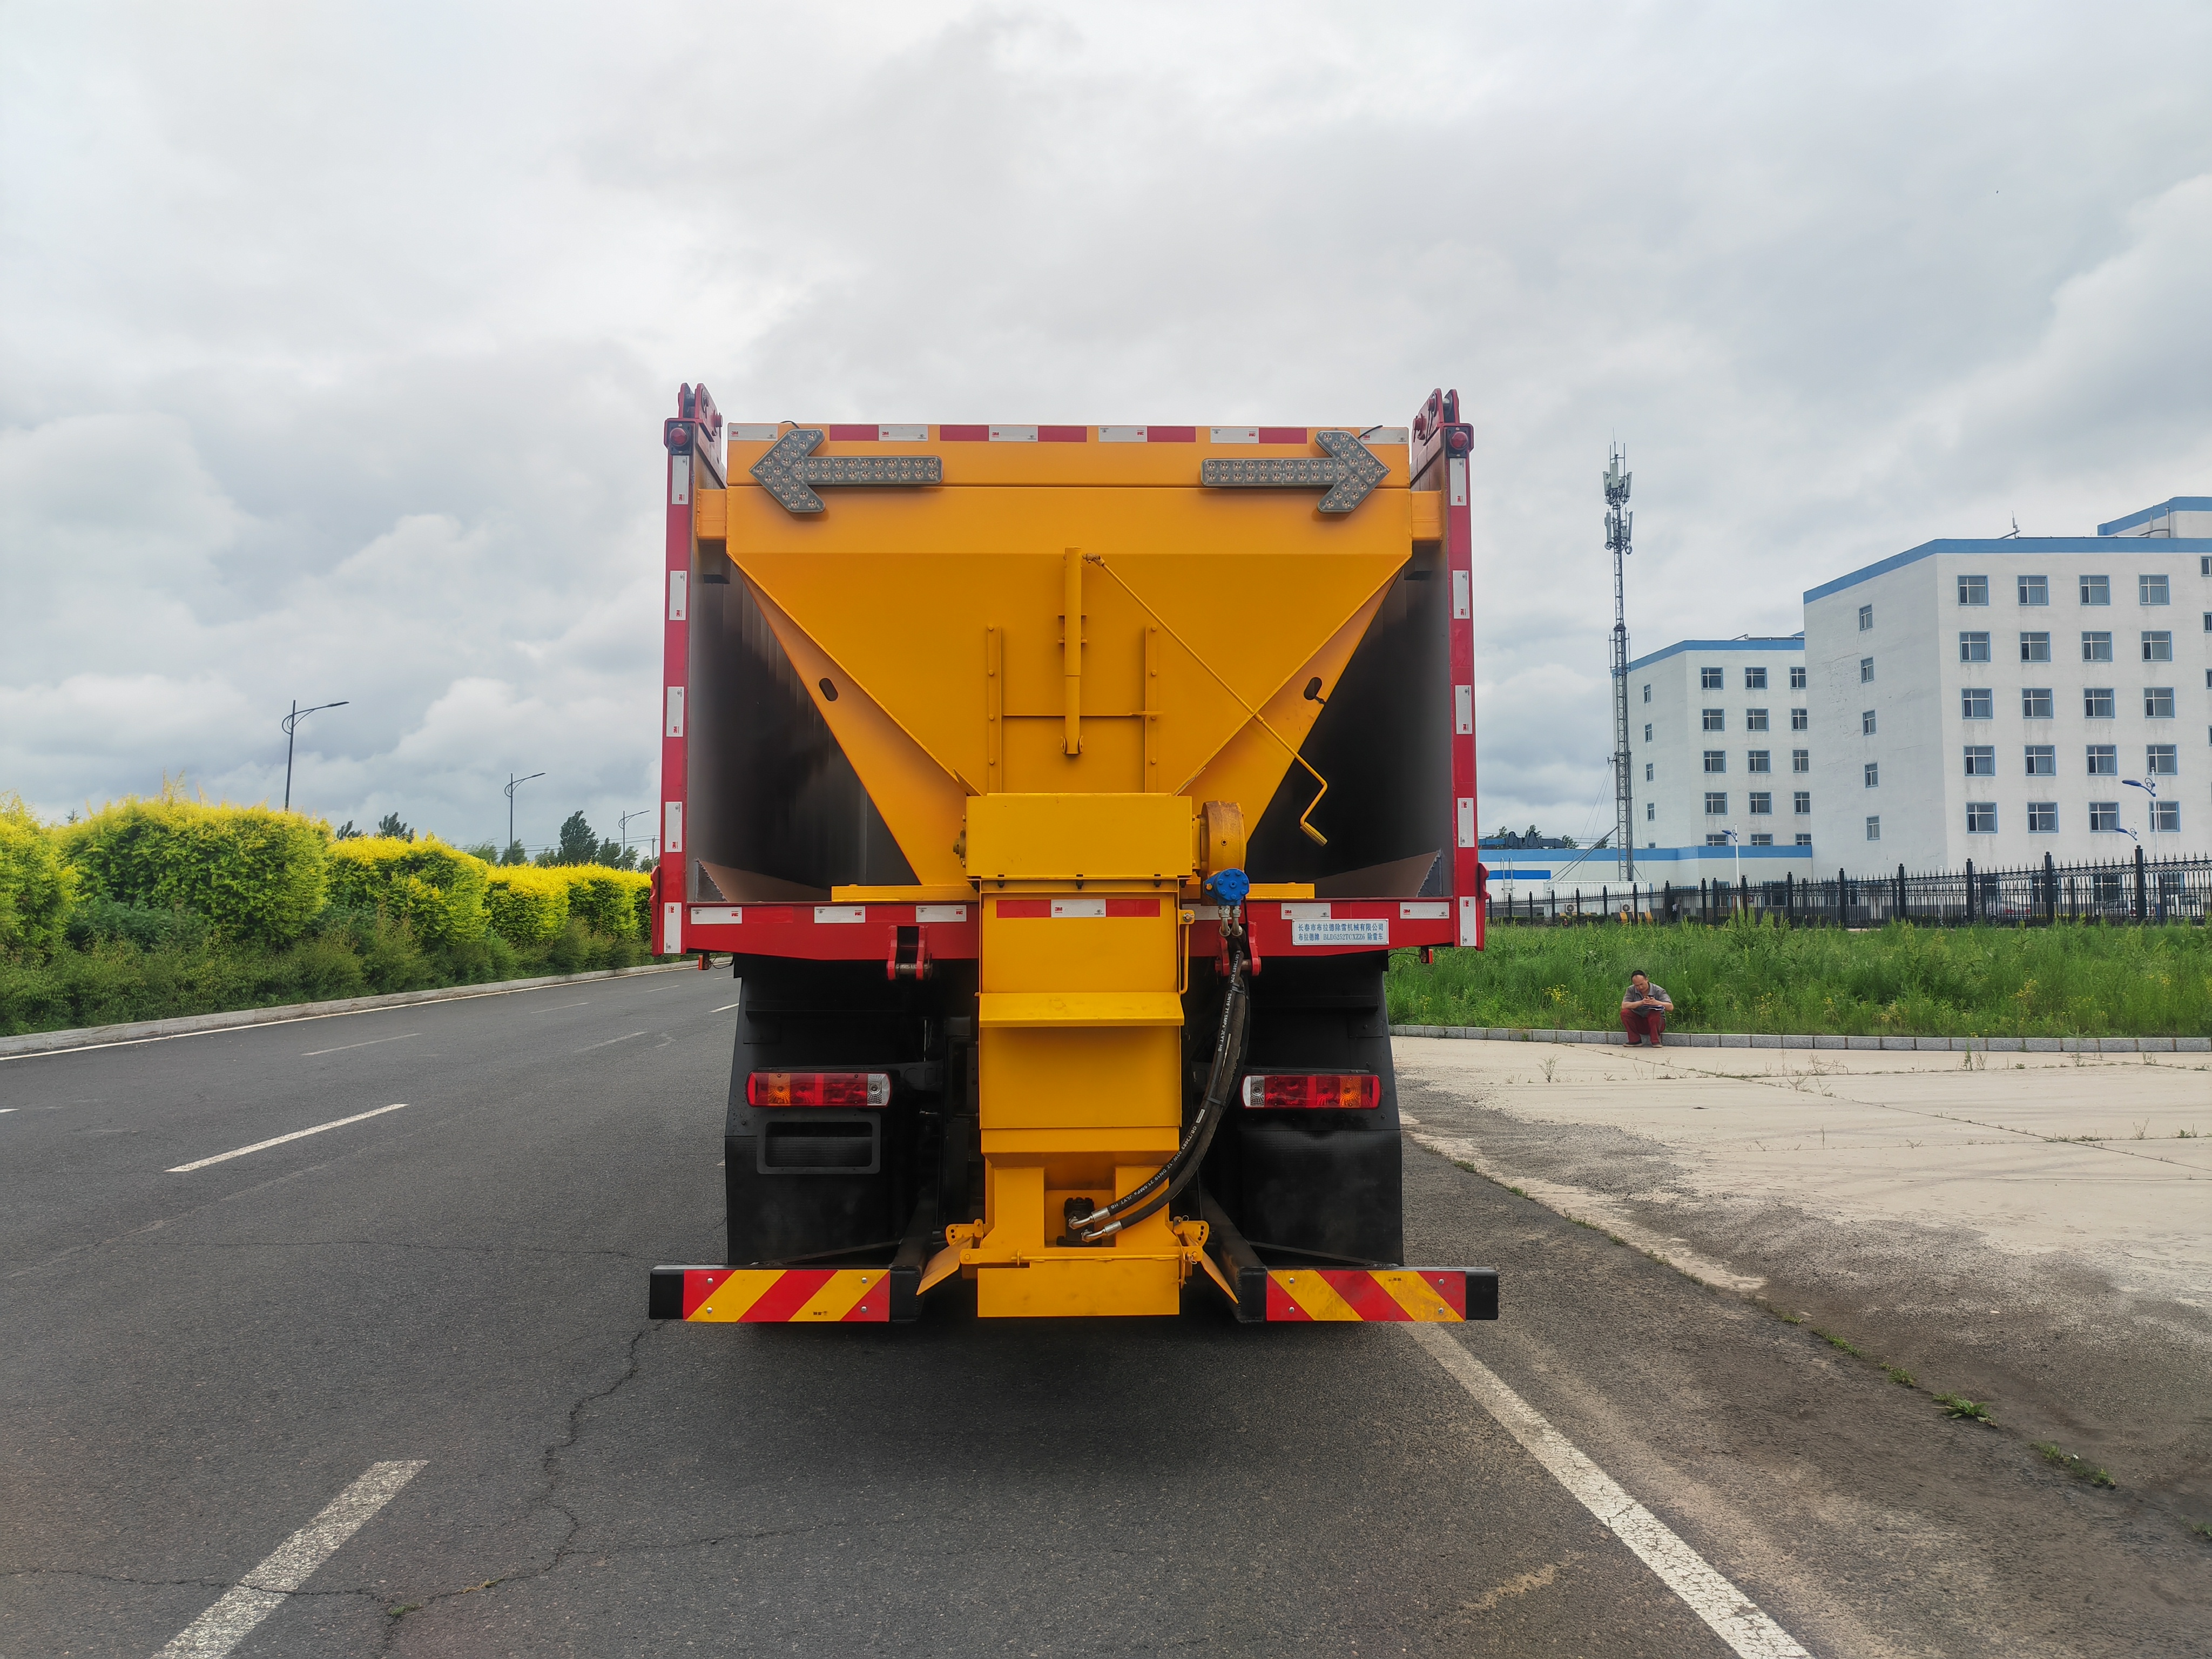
column 334, row 341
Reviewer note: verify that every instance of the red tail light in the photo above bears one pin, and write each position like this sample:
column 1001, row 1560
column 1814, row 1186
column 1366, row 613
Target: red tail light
column 1335, row 1090
column 846, row 1089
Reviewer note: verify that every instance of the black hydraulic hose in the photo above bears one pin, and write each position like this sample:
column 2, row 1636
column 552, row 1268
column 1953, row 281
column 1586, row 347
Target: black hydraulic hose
column 1162, row 1186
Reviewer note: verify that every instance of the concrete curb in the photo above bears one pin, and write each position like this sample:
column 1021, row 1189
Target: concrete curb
column 151, row 1030
column 2154, row 1045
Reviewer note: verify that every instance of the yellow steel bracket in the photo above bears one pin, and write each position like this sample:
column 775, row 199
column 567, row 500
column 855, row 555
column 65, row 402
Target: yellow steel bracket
column 1192, row 1235
column 958, row 1238
column 1312, row 834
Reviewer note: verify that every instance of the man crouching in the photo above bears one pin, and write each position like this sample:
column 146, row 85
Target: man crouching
column 1643, row 1011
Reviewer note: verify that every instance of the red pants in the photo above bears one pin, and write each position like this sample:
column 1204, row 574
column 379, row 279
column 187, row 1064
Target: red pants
column 1643, row 1024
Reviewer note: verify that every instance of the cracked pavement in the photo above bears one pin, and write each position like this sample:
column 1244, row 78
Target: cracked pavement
column 197, row 1363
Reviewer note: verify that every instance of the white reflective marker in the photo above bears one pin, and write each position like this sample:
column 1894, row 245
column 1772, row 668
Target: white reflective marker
column 296, row 1134
column 1731, row 1615
column 263, row 1590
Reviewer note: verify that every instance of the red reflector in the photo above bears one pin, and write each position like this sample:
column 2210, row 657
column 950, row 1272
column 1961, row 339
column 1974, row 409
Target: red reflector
column 1335, row 1090
column 846, row 1089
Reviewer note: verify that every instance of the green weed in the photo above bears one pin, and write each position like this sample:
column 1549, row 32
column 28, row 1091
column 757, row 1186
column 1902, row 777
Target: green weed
column 1955, row 1405
column 2075, row 1466
column 1901, row 1377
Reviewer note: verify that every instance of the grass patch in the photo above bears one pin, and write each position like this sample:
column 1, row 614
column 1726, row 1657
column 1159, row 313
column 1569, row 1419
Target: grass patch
column 1837, row 1342
column 2202, row 1528
column 1901, row 1377
column 1957, row 1404
column 2071, row 979
column 2079, row 1468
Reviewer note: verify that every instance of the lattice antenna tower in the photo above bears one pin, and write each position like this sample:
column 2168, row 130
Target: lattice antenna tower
column 1619, row 523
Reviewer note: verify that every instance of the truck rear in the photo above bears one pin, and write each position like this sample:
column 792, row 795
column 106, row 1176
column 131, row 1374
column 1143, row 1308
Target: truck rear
column 1058, row 793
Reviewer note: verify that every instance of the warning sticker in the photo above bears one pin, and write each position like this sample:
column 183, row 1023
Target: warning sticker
column 1376, row 931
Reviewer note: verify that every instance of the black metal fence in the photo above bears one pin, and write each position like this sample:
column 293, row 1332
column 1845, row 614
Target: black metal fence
column 2143, row 890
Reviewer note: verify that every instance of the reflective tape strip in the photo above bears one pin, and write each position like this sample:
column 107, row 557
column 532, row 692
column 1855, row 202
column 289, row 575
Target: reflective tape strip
column 1236, row 434
column 940, row 913
column 680, row 589
column 1425, row 910
column 840, row 913
column 675, row 711
column 1466, row 820
column 671, row 827
column 756, row 434
column 1470, row 922
column 1370, row 1294
column 1462, row 596
column 1014, row 434
column 1463, row 710
column 671, row 930
column 787, row 1296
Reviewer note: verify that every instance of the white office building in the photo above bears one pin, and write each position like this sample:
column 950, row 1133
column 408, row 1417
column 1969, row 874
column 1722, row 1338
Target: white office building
column 2001, row 699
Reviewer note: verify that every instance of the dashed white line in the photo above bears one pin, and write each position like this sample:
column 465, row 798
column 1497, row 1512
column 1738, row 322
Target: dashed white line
column 278, row 1140
column 588, row 1047
column 262, row 1591
column 1732, row 1616
column 723, row 1009
column 370, row 1043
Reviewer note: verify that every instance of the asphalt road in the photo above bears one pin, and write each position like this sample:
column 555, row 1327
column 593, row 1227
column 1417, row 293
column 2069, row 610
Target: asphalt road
column 196, row 1364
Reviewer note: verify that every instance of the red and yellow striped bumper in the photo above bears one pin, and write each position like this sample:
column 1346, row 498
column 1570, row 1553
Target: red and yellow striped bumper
column 1427, row 1295
column 773, row 1296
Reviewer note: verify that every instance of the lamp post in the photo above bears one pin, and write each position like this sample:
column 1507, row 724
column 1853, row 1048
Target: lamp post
column 1735, row 851
column 641, row 812
column 513, row 784
column 290, row 723
column 2149, row 787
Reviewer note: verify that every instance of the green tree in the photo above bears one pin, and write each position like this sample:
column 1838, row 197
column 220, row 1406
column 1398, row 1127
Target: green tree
column 35, row 886
column 388, row 824
column 579, row 842
column 344, row 831
column 514, row 854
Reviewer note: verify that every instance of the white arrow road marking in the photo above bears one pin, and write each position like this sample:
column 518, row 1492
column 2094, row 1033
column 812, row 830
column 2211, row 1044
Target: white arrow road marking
column 296, row 1134
column 1733, row 1617
column 262, row 1591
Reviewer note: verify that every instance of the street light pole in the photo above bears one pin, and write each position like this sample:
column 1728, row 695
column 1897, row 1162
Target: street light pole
column 513, row 784
column 290, row 723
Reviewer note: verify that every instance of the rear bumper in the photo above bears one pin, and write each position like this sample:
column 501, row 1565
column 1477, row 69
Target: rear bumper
column 1420, row 1296
column 784, row 1296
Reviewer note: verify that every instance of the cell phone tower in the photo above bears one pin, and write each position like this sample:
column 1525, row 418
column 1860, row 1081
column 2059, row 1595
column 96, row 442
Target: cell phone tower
column 1619, row 521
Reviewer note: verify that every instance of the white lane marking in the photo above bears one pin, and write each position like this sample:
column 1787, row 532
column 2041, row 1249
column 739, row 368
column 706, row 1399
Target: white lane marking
column 263, row 1590
column 368, row 1043
column 4, row 1110
column 723, row 1009
column 296, row 1134
column 558, row 1006
column 588, row 1047
column 1733, row 1616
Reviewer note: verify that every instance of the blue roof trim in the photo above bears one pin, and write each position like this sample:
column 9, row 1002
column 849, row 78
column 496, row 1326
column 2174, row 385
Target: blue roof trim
column 1772, row 642
column 1594, row 871
column 1690, row 854
column 2179, row 504
column 1992, row 546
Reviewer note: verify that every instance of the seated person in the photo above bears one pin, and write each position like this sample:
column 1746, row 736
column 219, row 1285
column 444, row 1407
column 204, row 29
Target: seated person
column 1643, row 1011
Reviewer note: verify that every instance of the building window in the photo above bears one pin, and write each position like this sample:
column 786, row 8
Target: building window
column 1647, row 771
column 1716, row 839
column 1800, row 719
column 2161, row 759
column 1803, row 838
column 1762, row 803
column 1754, row 720
column 2096, row 647
column 1981, row 817
column 1756, row 760
column 2105, row 817
column 1975, row 703
column 2104, row 760
column 2097, row 702
column 1801, row 803
column 2043, row 817
column 1651, row 813
column 1716, row 803
column 1754, row 679
column 1873, row 775
column 1865, row 669
column 1647, row 691
column 1973, row 590
column 1866, row 722
column 1801, row 760
column 1762, row 841
column 1797, row 675
column 1710, row 679
column 2096, row 590
column 1647, row 731
column 2035, row 703
column 1866, row 618
column 1981, row 760
column 2207, row 621
column 2043, row 760
column 2166, row 817
column 2158, row 702
column 1716, row 720
column 2035, row 647
column 2157, row 646
column 2035, row 590
column 1716, row 760
column 2151, row 590
column 1873, row 829
column 1974, row 647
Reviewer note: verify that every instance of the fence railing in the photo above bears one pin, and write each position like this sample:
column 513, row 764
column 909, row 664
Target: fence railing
column 2140, row 890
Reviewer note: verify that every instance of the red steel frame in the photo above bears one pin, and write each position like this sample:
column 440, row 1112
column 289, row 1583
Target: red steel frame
column 871, row 931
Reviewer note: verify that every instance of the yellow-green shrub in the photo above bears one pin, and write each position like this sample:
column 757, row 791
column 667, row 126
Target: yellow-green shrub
column 255, row 873
column 528, row 905
column 606, row 900
column 438, row 890
column 36, row 885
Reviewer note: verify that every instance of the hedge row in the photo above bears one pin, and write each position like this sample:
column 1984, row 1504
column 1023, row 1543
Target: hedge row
column 260, row 877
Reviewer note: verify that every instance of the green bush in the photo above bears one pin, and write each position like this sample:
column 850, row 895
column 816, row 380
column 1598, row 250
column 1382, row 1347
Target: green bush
column 437, row 891
column 528, row 906
column 257, row 875
column 36, row 887
column 607, row 900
